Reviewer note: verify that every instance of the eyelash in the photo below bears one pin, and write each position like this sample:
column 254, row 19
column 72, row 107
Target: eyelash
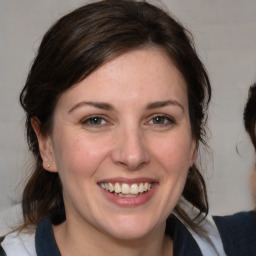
column 167, row 120
column 89, row 121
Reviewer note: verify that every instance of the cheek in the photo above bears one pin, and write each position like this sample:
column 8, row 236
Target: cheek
column 79, row 156
column 174, row 153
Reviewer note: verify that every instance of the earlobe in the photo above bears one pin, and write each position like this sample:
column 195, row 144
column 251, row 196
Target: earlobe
column 45, row 147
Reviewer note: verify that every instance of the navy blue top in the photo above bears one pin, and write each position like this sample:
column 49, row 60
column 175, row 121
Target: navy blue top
column 184, row 243
column 238, row 234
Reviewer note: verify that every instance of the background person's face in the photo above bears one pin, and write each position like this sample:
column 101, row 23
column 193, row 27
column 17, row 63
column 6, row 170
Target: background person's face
column 253, row 177
column 125, row 127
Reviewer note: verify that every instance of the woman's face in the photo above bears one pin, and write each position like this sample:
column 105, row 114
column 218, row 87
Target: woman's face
column 122, row 145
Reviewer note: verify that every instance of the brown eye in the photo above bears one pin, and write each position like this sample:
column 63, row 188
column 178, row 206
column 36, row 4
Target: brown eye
column 94, row 121
column 161, row 120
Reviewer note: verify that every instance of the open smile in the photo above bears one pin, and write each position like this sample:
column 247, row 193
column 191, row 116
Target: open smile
column 127, row 190
column 128, row 193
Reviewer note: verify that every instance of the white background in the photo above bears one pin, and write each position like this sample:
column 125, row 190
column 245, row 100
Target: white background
column 225, row 37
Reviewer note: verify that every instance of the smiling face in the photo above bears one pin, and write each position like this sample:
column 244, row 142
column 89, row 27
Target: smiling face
column 122, row 145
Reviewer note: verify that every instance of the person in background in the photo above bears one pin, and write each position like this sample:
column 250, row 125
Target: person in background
column 116, row 107
column 250, row 127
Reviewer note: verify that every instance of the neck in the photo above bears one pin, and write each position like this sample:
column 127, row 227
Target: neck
column 72, row 240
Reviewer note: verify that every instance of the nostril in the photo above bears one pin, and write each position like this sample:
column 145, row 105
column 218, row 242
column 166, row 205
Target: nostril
column 131, row 151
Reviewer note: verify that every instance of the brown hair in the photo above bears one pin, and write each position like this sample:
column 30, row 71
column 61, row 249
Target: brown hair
column 77, row 45
column 250, row 114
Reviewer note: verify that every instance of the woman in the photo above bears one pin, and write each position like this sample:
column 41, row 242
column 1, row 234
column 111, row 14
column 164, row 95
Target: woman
column 116, row 104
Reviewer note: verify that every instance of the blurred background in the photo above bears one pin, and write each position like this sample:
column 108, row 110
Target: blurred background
column 225, row 36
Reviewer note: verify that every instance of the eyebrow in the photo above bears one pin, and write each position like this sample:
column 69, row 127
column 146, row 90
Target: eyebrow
column 109, row 107
column 100, row 105
column 160, row 104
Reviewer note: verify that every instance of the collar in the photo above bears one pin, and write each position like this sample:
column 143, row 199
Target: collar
column 184, row 243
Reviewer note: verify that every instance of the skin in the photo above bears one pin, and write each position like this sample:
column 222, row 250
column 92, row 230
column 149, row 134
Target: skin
column 134, row 137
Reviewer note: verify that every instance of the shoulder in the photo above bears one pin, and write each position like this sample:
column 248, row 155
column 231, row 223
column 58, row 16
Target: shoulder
column 19, row 243
column 36, row 241
column 238, row 232
column 241, row 223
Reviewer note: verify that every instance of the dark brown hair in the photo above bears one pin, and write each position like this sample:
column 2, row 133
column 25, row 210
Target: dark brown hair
column 77, row 45
column 250, row 114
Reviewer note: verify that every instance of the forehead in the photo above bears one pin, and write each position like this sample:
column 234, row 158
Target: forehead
column 143, row 74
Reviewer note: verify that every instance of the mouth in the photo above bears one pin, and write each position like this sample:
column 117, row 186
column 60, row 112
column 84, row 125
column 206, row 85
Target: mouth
column 127, row 190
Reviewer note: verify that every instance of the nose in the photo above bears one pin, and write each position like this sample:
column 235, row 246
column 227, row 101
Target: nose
column 131, row 150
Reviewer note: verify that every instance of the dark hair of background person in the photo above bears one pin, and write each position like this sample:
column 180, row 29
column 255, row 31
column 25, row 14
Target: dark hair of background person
column 250, row 114
column 77, row 45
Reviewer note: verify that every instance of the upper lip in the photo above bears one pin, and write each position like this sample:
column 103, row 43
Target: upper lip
column 128, row 180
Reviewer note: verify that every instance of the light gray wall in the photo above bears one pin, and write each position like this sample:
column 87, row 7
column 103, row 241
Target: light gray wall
column 225, row 36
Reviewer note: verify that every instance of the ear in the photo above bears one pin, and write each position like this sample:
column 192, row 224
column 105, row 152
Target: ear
column 45, row 147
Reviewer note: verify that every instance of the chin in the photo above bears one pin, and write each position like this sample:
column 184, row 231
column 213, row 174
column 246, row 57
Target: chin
column 129, row 235
column 132, row 229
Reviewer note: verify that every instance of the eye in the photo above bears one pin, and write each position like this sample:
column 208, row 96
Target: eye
column 94, row 121
column 161, row 120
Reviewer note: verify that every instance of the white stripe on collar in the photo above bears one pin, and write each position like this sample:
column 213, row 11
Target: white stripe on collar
column 211, row 245
column 21, row 244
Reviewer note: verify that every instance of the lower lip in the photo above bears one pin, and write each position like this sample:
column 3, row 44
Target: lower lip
column 130, row 201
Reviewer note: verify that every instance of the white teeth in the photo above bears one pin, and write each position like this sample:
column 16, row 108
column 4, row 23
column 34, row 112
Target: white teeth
column 126, row 190
column 141, row 188
column 117, row 188
column 110, row 187
column 134, row 189
column 102, row 185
